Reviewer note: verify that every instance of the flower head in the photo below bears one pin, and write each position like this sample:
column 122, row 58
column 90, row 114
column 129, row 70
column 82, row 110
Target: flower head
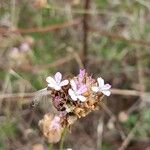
column 55, row 124
column 76, row 93
column 74, row 101
column 51, row 128
column 56, row 83
column 104, row 88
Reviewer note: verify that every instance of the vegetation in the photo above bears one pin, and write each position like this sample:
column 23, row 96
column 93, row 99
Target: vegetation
column 108, row 38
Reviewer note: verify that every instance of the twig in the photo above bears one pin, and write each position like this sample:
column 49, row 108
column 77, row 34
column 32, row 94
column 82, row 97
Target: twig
column 140, row 75
column 100, row 128
column 108, row 111
column 85, row 33
column 78, row 59
column 125, row 92
column 16, row 96
column 31, row 95
column 62, row 139
column 129, row 137
column 43, row 29
column 114, row 36
column 38, row 68
column 112, row 118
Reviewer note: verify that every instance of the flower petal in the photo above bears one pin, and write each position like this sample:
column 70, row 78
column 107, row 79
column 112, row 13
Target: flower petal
column 57, row 87
column 73, row 85
column 100, row 82
column 50, row 80
column 106, row 87
column 81, row 98
column 64, row 82
column 107, row 93
column 82, row 73
column 58, row 77
column 51, row 85
column 72, row 94
column 95, row 89
column 57, row 119
column 55, row 123
column 82, row 89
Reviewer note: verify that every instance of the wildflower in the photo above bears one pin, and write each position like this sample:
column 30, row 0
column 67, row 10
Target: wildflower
column 104, row 88
column 74, row 101
column 55, row 124
column 51, row 128
column 75, row 93
column 56, row 83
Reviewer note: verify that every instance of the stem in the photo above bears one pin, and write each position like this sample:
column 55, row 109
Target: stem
column 62, row 139
column 50, row 146
column 85, row 33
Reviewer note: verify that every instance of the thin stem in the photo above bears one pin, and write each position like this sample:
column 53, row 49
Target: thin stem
column 62, row 139
column 85, row 33
column 50, row 146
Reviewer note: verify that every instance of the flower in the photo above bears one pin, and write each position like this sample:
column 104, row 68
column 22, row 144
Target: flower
column 55, row 124
column 75, row 93
column 104, row 88
column 81, row 74
column 51, row 128
column 57, row 101
column 56, row 83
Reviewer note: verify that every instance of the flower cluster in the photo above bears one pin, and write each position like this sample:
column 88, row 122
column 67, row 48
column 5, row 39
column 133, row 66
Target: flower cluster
column 73, row 98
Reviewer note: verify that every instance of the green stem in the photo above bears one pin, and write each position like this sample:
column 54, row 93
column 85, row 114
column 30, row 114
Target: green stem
column 50, row 146
column 62, row 139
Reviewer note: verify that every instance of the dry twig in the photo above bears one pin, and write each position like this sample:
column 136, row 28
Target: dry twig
column 38, row 68
column 85, row 33
column 43, row 29
column 140, row 74
column 129, row 137
column 125, row 92
column 30, row 95
column 114, row 36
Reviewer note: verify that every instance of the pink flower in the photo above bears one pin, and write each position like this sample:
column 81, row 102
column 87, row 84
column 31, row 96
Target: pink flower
column 55, row 124
column 56, row 101
column 76, row 93
column 81, row 74
column 104, row 88
column 79, row 80
column 56, row 83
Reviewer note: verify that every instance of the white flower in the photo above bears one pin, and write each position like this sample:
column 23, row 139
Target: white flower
column 75, row 93
column 56, row 83
column 104, row 88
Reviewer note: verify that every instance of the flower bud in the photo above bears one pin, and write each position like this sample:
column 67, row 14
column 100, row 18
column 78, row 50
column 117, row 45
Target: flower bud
column 51, row 128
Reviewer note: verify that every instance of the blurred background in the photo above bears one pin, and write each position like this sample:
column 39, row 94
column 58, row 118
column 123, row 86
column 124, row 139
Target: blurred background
column 110, row 38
